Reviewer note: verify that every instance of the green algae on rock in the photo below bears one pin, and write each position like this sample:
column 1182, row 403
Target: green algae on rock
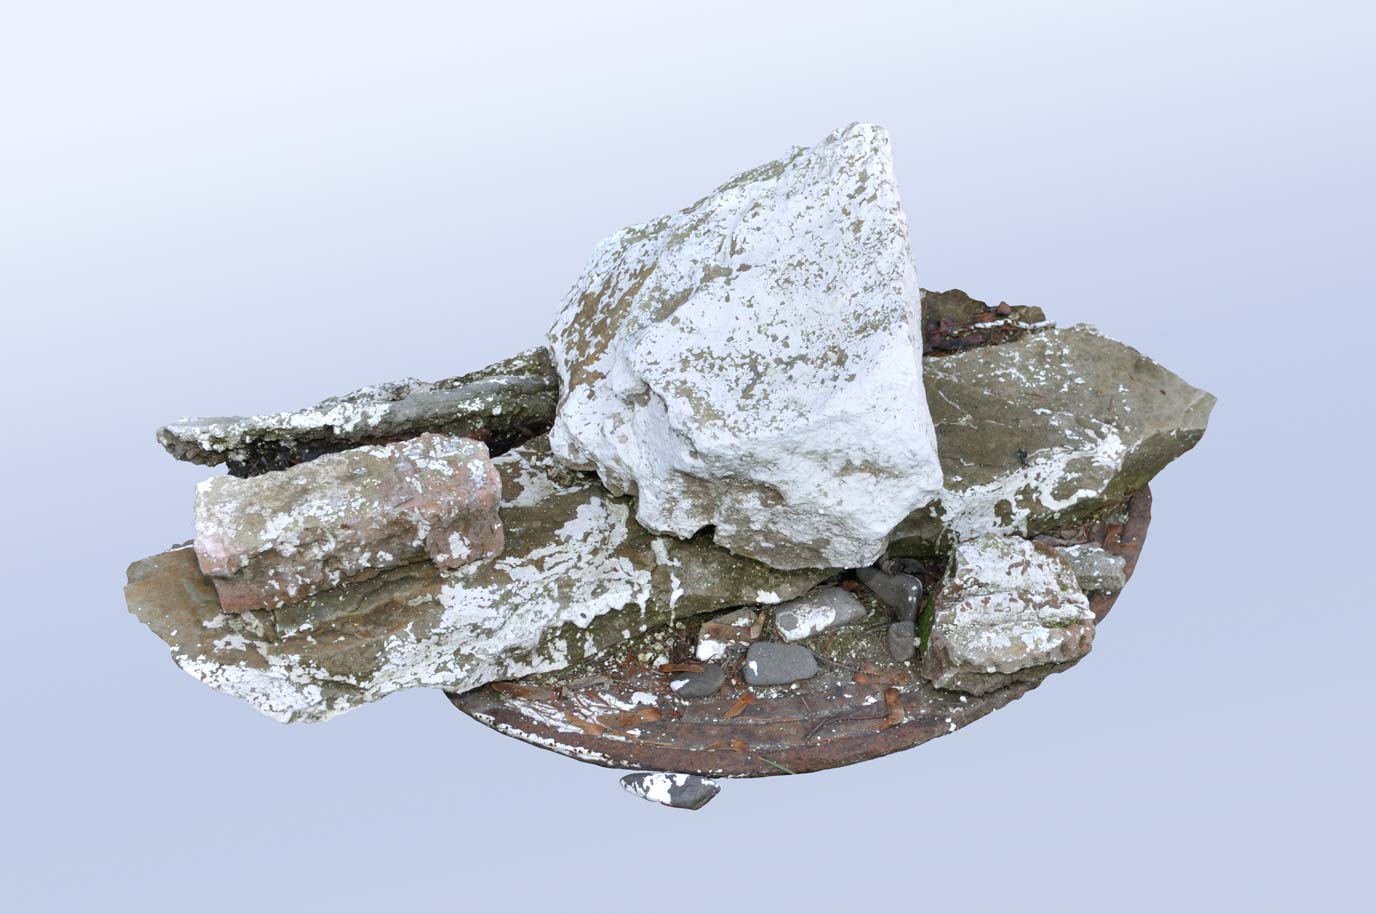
column 578, row 574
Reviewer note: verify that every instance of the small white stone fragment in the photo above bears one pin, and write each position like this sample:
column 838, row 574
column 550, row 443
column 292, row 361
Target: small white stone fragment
column 679, row 791
column 717, row 636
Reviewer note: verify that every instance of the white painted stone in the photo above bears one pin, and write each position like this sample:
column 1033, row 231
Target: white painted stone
column 1006, row 611
column 680, row 791
column 821, row 610
column 754, row 362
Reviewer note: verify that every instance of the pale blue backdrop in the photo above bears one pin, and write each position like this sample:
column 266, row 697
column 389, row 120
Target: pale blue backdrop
column 221, row 208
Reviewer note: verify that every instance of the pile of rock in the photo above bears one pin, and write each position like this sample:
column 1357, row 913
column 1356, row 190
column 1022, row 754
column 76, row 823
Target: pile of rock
column 895, row 510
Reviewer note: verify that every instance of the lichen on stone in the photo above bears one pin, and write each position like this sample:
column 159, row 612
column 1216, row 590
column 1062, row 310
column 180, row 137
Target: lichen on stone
column 578, row 574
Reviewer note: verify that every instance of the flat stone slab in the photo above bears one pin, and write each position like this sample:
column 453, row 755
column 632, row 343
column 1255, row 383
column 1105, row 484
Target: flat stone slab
column 501, row 405
column 619, row 712
column 578, row 575
column 702, row 683
column 277, row 538
column 1095, row 568
column 276, row 660
column 768, row 663
column 1045, row 432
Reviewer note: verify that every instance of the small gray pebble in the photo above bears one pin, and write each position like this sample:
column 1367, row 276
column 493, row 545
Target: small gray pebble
column 771, row 663
column 821, row 610
column 900, row 592
column 698, row 685
column 902, row 641
column 679, row 791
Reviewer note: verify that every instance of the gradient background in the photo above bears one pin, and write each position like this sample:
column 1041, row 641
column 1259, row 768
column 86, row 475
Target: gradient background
column 246, row 207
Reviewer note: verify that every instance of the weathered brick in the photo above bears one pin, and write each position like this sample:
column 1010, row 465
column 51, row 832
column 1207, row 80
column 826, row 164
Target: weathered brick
column 277, row 538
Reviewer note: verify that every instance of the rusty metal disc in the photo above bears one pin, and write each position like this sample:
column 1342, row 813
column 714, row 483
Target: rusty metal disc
column 617, row 710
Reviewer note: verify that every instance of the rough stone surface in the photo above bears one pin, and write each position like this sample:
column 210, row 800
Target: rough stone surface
column 501, row 405
column 1002, row 441
column 769, row 663
column 280, row 537
column 753, row 362
column 821, row 610
column 1047, row 431
column 1096, row 569
column 902, row 641
column 698, row 685
column 902, row 565
column 845, row 714
column 1008, row 610
column 577, row 576
column 297, row 675
column 680, row 791
column 952, row 321
column 718, row 636
column 900, row 592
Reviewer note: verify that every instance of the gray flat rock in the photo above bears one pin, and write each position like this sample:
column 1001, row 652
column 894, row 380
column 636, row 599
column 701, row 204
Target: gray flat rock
column 698, row 685
column 1096, row 569
column 1045, row 432
column 719, row 636
column 768, row 663
column 501, row 405
column 818, row 611
column 678, row 791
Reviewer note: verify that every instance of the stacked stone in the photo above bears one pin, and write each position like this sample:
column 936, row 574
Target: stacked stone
column 280, row 537
column 740, row 421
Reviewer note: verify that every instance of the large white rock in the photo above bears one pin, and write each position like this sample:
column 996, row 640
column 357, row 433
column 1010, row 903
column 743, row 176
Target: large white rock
column 754, row 362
